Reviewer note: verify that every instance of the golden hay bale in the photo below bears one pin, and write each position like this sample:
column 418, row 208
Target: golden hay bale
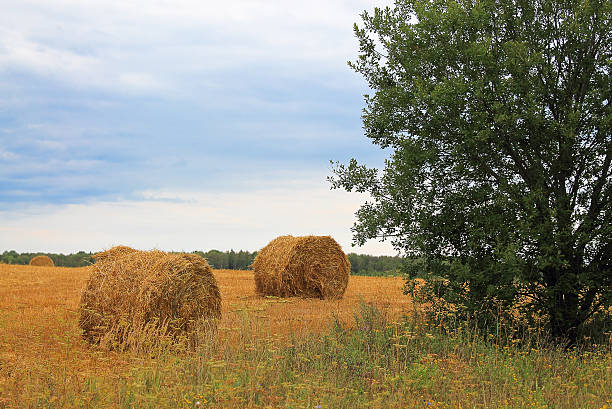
column 131, row 290
column 308, row 266
column 42, row 261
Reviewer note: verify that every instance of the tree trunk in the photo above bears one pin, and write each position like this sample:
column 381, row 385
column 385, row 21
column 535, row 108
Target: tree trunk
column 564, row 317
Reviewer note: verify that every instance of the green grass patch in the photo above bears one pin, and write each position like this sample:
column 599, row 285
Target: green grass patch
column 372, row 363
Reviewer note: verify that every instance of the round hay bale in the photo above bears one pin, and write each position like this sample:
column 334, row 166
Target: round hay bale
column 130, row 291
column 308, row 266
column 42, row 261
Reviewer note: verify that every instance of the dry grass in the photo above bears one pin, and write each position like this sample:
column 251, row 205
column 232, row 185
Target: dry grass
column 308, row 266
column 39, row 317
column 42, row 261
column 297, row 316
column 39, row 333
column 273, row 352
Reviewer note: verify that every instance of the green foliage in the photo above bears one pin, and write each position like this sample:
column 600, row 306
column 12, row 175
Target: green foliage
column 378, row 266
column 361, row 264
column 230, row 260
column 499, row 118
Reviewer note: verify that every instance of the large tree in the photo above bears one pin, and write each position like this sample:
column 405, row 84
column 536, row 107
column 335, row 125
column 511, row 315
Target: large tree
column 499, row 120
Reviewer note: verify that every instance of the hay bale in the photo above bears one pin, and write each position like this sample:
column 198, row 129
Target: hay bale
column 131, row 290
column 42, row 261
column 308, row 266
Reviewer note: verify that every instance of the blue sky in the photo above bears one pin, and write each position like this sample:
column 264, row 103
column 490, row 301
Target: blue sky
column 177, row 124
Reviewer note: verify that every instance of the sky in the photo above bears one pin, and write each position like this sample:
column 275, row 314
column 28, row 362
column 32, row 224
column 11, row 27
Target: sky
column 178, row 124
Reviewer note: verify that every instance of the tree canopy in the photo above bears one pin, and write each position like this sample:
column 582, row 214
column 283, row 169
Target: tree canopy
column 499, row 119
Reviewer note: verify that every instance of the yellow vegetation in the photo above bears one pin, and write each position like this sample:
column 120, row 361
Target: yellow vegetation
column 39, row 316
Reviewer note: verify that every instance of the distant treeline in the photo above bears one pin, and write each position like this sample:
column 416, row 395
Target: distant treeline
column 229, row 260
column 361, row 264
column 63, row 260
column 232, row 260
column 365, row 265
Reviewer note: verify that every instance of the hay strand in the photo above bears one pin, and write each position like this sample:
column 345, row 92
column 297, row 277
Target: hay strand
column 113, row 253
column 308, row 266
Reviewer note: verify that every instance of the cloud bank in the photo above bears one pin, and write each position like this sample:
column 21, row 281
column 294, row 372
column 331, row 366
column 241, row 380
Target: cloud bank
column 105, row 102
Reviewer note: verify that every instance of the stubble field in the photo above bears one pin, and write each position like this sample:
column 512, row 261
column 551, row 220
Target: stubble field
column 360, row 351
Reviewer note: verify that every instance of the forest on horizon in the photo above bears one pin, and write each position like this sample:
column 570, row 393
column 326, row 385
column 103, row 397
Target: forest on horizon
column 361, row 264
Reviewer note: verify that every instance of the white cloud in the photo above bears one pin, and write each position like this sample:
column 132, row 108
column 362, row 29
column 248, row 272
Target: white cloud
column 188, row 221
column 8, row 155
column 19, row 52
column 142, row 86
column 140, row 80
column 148, row 45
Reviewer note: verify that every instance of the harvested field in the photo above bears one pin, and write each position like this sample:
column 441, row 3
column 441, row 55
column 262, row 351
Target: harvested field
column 39, row 316
column 286, row 316
column 279, row 353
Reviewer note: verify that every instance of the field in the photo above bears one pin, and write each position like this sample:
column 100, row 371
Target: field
column 362, row 351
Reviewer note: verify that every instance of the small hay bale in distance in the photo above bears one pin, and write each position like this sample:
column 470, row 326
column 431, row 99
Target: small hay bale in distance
column 129, row 290
column 308, row 266
column 42, row 261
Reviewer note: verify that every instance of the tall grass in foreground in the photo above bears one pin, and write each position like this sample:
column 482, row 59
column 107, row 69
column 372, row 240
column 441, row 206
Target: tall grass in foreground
column 373, row 363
